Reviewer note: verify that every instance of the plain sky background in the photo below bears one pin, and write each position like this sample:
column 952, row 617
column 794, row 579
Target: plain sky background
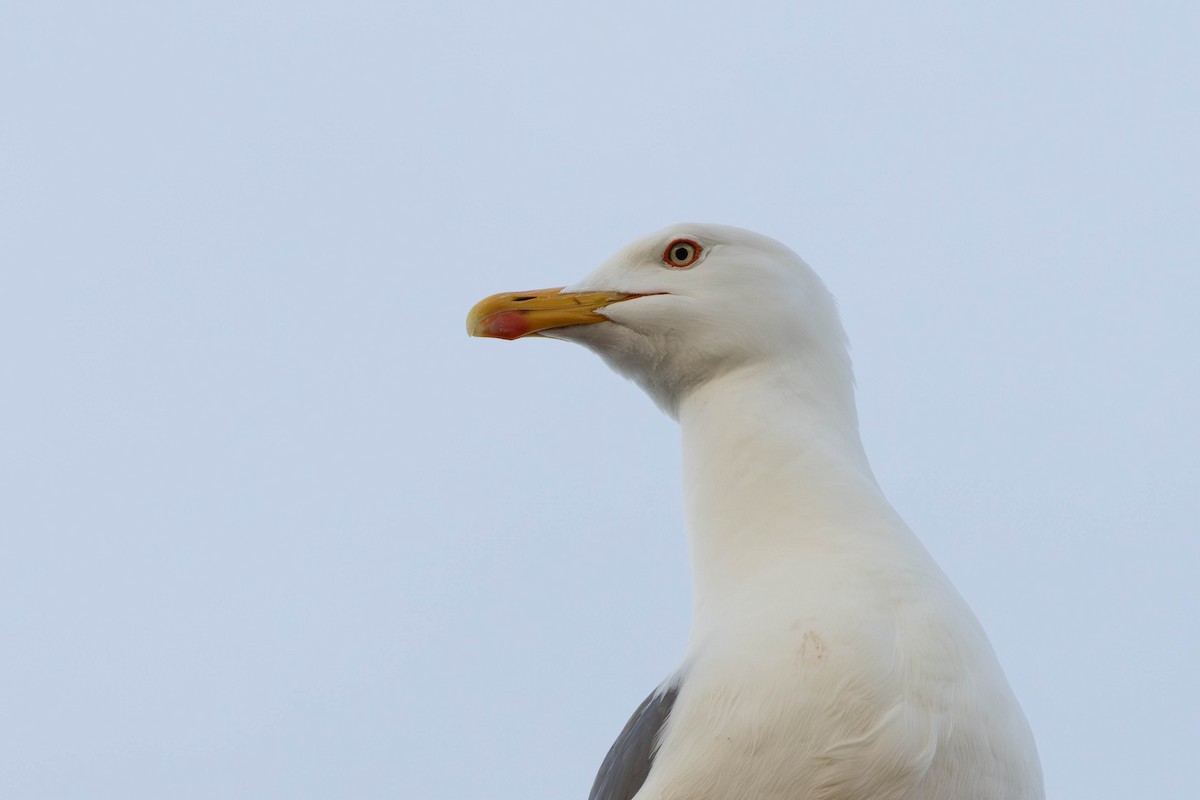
column 273, row 526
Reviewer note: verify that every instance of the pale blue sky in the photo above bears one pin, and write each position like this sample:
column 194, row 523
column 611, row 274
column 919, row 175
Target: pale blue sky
column 273, row 526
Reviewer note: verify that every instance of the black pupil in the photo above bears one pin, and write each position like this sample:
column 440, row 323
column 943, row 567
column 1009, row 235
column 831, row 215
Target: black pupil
column 681, row 254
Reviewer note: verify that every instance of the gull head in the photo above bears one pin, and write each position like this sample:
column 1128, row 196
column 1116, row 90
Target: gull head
column 684, row 306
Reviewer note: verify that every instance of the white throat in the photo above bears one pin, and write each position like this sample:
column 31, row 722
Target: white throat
column 775, row 479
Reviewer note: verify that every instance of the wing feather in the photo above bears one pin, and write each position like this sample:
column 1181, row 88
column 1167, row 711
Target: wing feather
column 629, row 759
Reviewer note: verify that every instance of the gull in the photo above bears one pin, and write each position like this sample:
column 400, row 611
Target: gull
column 829, row 657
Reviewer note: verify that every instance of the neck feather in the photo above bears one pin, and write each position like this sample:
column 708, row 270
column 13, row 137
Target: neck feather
column 774, row 474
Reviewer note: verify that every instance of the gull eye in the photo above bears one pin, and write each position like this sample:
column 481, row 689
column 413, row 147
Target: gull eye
column 681, row 253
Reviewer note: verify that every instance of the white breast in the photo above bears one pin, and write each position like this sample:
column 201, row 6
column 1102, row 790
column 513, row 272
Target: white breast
column 829, row 656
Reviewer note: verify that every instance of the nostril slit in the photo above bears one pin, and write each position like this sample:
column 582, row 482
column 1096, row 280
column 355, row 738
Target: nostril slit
column 521, row 299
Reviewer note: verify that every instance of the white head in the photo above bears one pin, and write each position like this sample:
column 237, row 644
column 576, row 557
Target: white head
column 684, row 306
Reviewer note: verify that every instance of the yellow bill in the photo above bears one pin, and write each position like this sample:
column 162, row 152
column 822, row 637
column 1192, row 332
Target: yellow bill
column 512, row 315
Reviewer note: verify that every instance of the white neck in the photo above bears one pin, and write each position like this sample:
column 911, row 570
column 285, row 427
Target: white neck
column 774, row 473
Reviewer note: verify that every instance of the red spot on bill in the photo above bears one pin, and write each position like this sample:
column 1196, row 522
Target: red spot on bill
column 505, row 325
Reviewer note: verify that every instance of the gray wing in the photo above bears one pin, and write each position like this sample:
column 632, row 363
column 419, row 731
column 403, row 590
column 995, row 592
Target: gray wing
column 628, row 761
